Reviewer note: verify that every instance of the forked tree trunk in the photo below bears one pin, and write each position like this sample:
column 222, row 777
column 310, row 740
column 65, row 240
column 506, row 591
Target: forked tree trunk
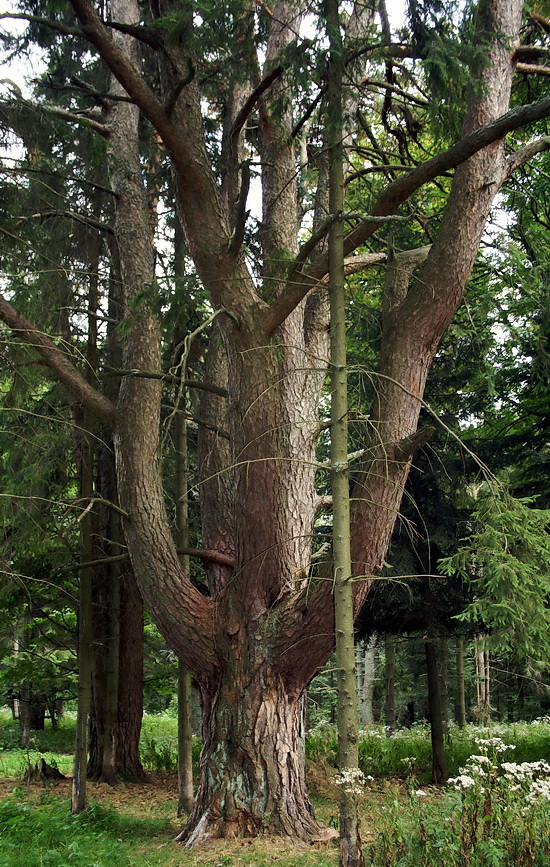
column 262, row 634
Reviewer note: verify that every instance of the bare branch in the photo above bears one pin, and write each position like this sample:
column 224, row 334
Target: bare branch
column 530, row 150
column 203, row 554
column 182, row 83
column 58, row 361
column 98, row 34
column 144, row 34
column 353, row 264
column 80, row 119
column 540, row 19
column 397, row 192
column 372, row 82
column 72, row 215
column 310, row 244
column 47, row 22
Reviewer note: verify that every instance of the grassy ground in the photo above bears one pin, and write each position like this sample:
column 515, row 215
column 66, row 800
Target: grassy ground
column 402, row 824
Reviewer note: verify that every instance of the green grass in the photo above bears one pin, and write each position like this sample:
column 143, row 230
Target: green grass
column 46, row 835
column 136, row 825
column 382, row 755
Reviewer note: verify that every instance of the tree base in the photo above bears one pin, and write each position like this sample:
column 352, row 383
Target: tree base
column 204, row 826
column 42, row 771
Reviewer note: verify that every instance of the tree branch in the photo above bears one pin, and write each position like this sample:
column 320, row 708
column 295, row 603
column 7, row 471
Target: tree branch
column 310, row 245
column 72, row 215
column 80, row 119
column 47, row 22
column 98, row 34
column 397, row 192
column 524, row 154
column 58, row 362
column 250, row 103
column 405, row 449
column 237, row 238
column 203, row 554
column 182, row 83
column 532, row 69
column 143, row 34
column 168, row 377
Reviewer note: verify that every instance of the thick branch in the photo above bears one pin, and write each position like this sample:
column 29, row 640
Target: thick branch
column 399, row 191
column 241, row 214
column 58, row 362
column 532, row 69
column 144, row 34
column 252, row 100
column 123, row 70
column 405, row 449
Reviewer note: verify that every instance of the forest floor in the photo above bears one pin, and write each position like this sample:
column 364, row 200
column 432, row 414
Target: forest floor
column 142, row 819
column 405, row 822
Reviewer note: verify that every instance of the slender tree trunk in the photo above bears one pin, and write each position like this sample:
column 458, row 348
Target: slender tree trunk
column 78, row 801
column 390, row 709
column 108, row 771
column 460, row 685
column 351, row 854
column 185, row 731
column 442, row 668
column 483, row 708
column 368, row 683
column 439, row 763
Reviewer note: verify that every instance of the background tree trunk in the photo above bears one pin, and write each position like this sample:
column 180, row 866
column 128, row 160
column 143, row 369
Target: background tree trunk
column 389, row 668
column 460, row 684
column 439, row 762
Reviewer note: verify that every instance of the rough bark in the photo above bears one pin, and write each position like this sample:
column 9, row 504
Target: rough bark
column 252, row 779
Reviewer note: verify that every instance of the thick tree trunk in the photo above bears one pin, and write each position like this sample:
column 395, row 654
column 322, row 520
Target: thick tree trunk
column 259, row 638
column 130, row 691
column 252, row 778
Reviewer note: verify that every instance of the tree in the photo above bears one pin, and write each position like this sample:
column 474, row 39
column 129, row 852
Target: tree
column 263, row 630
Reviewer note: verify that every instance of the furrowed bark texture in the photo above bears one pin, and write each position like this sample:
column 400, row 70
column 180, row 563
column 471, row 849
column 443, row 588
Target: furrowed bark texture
column 263, row 633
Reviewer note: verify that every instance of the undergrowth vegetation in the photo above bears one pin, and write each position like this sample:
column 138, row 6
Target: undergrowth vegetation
column 495, row 809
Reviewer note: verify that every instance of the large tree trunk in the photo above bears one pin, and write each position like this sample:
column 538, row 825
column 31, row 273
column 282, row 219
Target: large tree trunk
column 252, row 776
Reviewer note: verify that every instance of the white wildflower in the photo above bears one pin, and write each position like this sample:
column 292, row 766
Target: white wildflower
column 352, row 780
column 463, row 781
column 540, row 790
